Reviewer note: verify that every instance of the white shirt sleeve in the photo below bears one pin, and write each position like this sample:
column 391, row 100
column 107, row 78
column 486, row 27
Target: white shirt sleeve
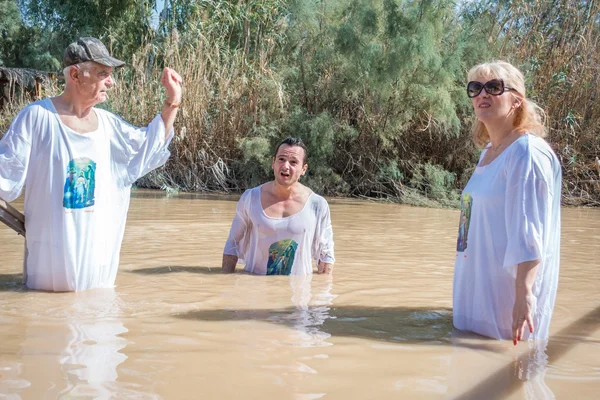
column 237, row 242
column 15, row 152
column 146, row 147
column 323, row 244
column 526, row 210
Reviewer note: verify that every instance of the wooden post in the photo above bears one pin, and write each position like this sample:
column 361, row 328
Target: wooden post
column 12, row 217
column 15, row 220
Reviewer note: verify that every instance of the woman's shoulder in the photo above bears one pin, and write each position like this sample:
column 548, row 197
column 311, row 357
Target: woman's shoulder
column 536, row 150
column 530, row 145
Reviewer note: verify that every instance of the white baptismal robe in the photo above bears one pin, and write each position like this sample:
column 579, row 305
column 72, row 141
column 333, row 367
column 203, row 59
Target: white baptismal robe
column 510, row 214
column 77, row 191
column 280, row 246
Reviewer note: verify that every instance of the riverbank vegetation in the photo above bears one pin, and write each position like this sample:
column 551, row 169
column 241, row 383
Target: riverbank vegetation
column 374, row 87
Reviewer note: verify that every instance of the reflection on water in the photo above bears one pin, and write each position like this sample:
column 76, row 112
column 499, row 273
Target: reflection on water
column 93, row 349
column 92, row 356
column 379, row 328
column 312, row 310
column 532, row 369
column 70, row 347
column 518, row 372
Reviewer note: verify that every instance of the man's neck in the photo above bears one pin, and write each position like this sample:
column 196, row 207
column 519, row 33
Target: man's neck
column 75, row 115
column 69, row 105
column 286, row 192
column 279, row 201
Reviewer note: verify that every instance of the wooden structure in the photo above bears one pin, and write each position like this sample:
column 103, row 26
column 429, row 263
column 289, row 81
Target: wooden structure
column 24, row 82
column 16, row 221
column 12, row 217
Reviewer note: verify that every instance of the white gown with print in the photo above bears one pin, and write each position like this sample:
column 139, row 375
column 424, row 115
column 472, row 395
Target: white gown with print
column 77, row 191
column 510, row 214
column 280, row 246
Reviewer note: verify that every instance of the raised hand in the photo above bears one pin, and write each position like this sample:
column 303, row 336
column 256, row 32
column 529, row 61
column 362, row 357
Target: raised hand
column 171, row 81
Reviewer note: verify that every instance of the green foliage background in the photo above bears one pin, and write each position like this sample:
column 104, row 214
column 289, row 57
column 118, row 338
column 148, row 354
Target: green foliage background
column 374, row 87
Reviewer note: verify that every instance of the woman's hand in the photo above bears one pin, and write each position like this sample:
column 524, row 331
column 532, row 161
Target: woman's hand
column 525, row 302
column 523, row 315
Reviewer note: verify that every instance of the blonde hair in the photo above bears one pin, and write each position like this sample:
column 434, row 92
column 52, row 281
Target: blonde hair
column 529, row 117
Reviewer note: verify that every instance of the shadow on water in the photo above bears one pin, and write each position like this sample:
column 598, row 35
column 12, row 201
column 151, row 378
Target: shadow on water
column 394, row 324
column 557, row 347
column 414, row 325
column 405, row 325
column 11, row 282
column 176, row 269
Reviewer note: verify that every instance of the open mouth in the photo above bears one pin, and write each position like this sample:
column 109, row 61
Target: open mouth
column 285, row 174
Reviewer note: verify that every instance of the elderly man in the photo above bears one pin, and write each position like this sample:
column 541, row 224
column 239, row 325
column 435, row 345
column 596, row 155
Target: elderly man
column 282, row 225
column 78, row 163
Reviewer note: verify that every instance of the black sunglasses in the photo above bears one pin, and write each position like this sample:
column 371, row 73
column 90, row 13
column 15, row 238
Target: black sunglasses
column 495, row 87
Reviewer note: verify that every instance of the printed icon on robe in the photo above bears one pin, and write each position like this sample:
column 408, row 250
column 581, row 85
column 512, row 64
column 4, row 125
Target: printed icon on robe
column 466, row 202
column 80, row 183
column 281, row 257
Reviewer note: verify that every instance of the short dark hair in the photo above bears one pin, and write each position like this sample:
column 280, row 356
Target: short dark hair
column 292, row 141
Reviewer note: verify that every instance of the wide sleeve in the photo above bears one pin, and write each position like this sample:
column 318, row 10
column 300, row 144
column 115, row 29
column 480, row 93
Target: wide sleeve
column 15, row 152
column 145, row 149
column 526, row 209
column 237, row 242
column 322, row 249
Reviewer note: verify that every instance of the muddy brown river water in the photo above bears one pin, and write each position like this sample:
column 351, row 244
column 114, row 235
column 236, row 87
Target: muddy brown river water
column 379, row 328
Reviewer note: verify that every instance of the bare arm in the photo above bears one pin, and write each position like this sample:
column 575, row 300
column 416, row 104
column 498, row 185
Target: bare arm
column 229, row 263
column 525, row 300
column 171, row 81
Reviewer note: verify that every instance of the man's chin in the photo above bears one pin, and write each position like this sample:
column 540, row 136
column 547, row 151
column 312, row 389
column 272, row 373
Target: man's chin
column 285, row 182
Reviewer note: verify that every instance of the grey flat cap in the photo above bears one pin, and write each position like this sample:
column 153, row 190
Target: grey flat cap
column 89, row 49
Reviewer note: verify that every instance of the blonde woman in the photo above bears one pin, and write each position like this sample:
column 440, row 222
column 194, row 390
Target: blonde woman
column 507, row 260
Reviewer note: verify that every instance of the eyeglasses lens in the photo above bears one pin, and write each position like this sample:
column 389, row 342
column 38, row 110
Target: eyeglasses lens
column 494, row 87
column 474, row 88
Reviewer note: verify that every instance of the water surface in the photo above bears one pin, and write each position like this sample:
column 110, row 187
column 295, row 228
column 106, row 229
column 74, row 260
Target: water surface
column 379, row 328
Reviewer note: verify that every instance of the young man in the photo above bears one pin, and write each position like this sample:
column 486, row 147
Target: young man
column 78, row 163
column 281, row 226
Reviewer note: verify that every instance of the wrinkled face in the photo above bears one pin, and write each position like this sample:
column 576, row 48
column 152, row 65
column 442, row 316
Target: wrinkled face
column 489, row 108
column 94, row 82
column 288, row 164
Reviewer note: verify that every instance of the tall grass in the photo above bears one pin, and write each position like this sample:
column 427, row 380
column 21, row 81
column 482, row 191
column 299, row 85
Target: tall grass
column 557, row 45
column 375, row 88
column 224, row 97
